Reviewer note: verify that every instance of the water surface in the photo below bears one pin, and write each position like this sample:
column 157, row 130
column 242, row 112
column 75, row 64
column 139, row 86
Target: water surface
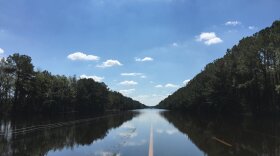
column 127, row 134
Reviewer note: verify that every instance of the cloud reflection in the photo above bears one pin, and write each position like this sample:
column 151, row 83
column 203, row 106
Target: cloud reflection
column 134, row 143
column 167, row 131
column 106, row 153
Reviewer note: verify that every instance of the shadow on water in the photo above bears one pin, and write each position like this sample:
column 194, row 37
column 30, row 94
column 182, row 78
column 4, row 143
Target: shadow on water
column 229, row 137
column 28, row 137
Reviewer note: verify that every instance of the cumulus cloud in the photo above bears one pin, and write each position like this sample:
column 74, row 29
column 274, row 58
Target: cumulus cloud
column 128, row 83
column 109, row 63
column 170, row 85
column 158, row 86
column 131, row 74
column 95, row 78
column 232, row 23
column 2, row 51
column 251, row 27
column 134, row 74
column 209, row 38
column 127, row 91
column 145, row 59
column 175, row 44
column 186, row 81
column 82, row 56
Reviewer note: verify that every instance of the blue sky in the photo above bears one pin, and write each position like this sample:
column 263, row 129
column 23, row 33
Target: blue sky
column 145, row 49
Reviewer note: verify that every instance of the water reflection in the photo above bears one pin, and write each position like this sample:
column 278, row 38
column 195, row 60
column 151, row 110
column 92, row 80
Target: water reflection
column 227, row 137
column 64, row 136
column 128, row 134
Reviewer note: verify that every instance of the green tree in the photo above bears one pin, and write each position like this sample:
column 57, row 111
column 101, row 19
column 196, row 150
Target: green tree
column 245, row 80
column 91, row 95
column 23, row 77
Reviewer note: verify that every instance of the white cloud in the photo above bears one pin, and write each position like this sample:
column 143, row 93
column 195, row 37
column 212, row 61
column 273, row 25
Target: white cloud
column 1, row 51
column 170, row 85
column 186, row 81
column 144, row 59
column 209, row 38
column 127, row 91
column 95, row 78
column 232, row 23
column 143, row 96
column 110, row 63
column 150, row 99
column 128, row 83
column 82, row 56
column 158, row 86
column 131, row 74
column 134, row 74
column 175, row 44
column 251, row 27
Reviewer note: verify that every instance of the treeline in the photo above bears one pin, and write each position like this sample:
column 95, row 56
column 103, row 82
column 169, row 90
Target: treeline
column 245, row 80
column 24, row 90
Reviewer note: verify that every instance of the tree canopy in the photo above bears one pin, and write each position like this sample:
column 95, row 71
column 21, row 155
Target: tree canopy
column 24, row 90
column 245, row 80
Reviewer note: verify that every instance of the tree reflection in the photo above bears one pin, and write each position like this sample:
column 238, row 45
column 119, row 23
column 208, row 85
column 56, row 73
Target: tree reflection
column 39, row 142
column 247, row 136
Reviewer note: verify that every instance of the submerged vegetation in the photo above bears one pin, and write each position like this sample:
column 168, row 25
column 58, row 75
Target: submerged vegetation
column 23, row 90
column 245, row 80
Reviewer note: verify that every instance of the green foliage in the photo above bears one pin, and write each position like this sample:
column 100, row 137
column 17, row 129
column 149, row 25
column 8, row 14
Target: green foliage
column 89, row 93
column 23, row 90
column 23, row 76
column 245, row 80
column 118, row 101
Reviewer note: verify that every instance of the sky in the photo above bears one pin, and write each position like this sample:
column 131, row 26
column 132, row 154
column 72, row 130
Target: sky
column 145, row 49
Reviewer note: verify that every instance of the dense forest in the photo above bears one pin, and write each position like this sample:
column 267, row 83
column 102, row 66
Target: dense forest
column 24, row 90
column 246, row 80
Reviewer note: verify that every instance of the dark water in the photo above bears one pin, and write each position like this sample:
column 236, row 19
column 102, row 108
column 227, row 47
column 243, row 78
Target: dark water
column 128, row 134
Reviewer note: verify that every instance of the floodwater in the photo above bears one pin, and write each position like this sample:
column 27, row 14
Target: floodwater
column 140, row 133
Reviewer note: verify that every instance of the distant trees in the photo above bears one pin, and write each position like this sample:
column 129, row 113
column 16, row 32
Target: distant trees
column 117, row 100
column 23, row 90
column 245, row 80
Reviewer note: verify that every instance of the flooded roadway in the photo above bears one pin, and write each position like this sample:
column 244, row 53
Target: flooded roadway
column 141, row 133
